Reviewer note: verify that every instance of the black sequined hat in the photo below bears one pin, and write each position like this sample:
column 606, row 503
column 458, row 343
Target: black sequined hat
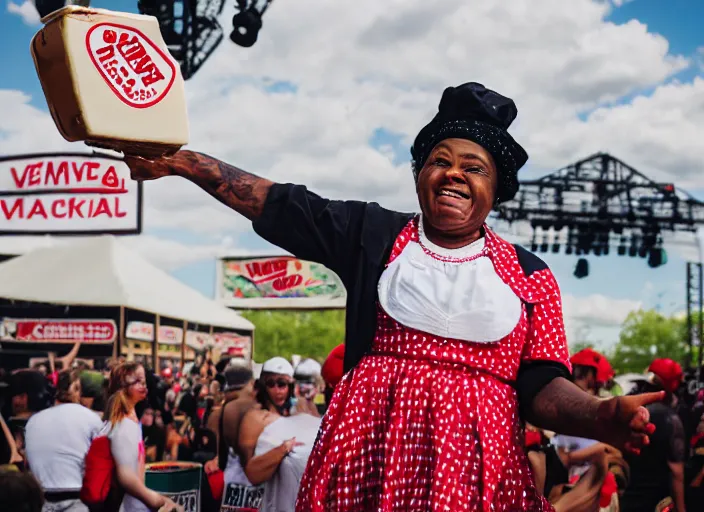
column 473, row 112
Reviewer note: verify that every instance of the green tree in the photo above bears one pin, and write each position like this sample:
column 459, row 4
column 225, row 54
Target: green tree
column 647, row 335
column 307, row 333
column 580, row 345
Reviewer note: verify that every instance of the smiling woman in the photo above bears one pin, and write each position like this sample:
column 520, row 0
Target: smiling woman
column 451, row 332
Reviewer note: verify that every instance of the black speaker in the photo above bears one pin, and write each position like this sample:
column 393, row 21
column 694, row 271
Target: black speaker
column 582, row 268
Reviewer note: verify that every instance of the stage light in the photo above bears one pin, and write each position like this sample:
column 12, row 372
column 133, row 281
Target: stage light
column 582, row 269
column 657, row 257
column 643, row 251
column 245, row 27
column 533, row 245
column 569, row 249
column 622, row 246
column 544, row 245
column 555, row 248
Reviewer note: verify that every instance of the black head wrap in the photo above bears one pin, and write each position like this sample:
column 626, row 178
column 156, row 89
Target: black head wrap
column 473, row 112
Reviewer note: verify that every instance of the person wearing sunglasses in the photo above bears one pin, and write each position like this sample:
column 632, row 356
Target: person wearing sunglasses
column 275, row 388
column 274, row 442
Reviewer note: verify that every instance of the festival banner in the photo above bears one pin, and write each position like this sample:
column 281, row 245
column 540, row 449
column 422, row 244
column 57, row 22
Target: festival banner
column 141, row 331
column 94, row 332
column 68, row 193
column 281, row 282
column 199, row 340
column 144, row 331
column 233, row 344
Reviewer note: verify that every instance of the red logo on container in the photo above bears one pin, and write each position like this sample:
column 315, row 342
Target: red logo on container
column 136, row 70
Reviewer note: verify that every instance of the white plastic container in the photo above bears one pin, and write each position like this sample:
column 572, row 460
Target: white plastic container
column 109, row 81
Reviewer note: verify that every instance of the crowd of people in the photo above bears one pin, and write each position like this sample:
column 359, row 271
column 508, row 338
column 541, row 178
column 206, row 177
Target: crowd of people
column 251, row 427
column 665, row 475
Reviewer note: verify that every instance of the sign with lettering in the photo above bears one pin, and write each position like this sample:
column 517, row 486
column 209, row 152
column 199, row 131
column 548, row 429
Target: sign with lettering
column 94, row 332
column 180, row 481
column 280, row 282
column 142, row 331
column 242, row 498
column 233, row 344
column 135, row 69
column 199, row 340
column 68, row 193
column 170, row 335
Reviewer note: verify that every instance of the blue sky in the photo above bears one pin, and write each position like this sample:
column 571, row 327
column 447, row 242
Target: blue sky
column 679, row 21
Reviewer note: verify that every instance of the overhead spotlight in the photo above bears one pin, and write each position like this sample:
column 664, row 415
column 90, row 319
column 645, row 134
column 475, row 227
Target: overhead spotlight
column 555, row 248
column 643, row 251
column 606, row 249
column 569, row 249
column 582, row 269
column 633, row 248
column 597, row 250
column 621, row 250
column 544, row 245
column 533, row 245
column 245, row 27
column 657, row 257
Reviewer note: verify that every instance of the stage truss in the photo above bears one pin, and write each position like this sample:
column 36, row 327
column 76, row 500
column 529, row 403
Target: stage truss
column 600, row 204
column 192, row 31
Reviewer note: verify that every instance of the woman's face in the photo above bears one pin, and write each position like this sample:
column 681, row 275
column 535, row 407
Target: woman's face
column 277, row 387
column 456, row 187
column 137, row 386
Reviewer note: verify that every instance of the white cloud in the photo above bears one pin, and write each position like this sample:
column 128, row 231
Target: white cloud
column 598, row 309
column 26, row 10
column 364, row 65
column 164, row 253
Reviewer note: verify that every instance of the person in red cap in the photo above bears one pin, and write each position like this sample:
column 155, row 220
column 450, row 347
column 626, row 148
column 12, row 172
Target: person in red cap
column 333, row 370
column 658, row 473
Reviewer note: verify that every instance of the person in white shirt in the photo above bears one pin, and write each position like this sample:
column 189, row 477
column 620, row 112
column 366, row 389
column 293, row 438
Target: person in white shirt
column 57, row 440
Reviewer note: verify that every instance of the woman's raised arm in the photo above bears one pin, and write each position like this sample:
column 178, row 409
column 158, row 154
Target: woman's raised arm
column 243, row 192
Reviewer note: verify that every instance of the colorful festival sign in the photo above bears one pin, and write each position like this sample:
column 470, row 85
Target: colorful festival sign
column 68, row 193
column 94, row 332
column 233, row 344
column 281, row 282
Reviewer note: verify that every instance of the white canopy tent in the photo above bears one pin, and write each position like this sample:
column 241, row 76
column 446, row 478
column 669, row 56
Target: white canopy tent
column 101, row 271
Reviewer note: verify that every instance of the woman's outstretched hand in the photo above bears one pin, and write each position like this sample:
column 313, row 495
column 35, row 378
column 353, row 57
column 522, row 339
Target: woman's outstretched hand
column 142, row 169
column 624, row 422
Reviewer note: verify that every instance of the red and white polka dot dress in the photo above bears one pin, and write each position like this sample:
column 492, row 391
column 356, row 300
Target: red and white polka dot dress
column 426, row 423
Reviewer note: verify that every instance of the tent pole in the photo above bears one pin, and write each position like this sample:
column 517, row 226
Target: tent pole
column 183, row 344
column 120, row 342
column 157, row 323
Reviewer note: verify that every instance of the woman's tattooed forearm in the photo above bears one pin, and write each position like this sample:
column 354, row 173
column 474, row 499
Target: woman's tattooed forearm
column 563, row 407
column 238, row 189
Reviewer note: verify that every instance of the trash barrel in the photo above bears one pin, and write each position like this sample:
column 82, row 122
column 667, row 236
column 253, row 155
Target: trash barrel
column 180, row 481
